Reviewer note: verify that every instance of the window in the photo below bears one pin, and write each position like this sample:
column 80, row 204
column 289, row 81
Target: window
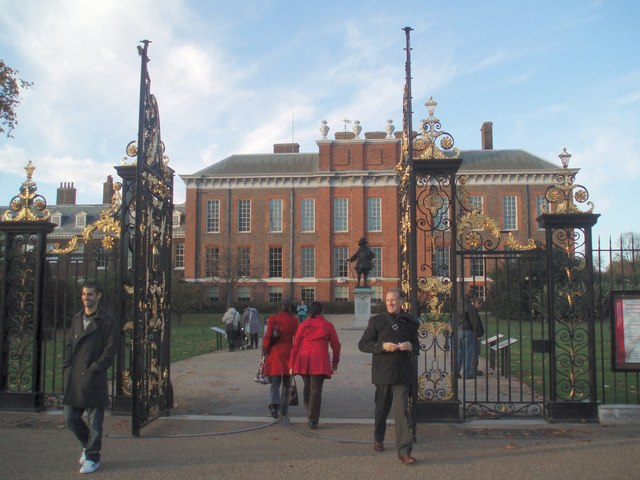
column 478, row 291
column 244, row 215
column 441, row 261
column 509, row 213
column 213, row 294
column 275, row 215
column 56, row 218
column 275, row 294
column 244, row 294
column 376, row 264
column 81, row 220
column 101, row 263
column 441, row 214
column 212, row 262
column 308, row 294
column 275, row 262
column 244, row 262
column 213, row 216
column 376, row 295
column 308, row 221
column 178, row 255
column 308, row 259
column 374, row 214
column 475, row 203
column 340, row 214
column 341, row 261
column 477, row 264
column 176, row 219
column 542, row 206
column 341, row 293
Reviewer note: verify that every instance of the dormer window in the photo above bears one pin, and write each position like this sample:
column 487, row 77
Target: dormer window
column 176, row 219
column 56, row 218
column 81, row 220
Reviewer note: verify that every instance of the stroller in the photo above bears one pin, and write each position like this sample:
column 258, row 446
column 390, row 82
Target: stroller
column 242, row 339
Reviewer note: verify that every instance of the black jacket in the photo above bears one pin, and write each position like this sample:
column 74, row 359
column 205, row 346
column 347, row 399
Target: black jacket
column 88, row 355
column 390, row 368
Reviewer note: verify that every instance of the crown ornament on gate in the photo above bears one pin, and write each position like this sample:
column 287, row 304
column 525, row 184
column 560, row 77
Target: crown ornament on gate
column 27, row 205
column 566, row 193
column 433, row 143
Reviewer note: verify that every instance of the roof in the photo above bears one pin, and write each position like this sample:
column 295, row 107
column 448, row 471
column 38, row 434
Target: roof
column 504, row 161
column 263, row 163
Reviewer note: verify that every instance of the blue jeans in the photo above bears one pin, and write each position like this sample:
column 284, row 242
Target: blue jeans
column 89, row 436
column 276, row 393
column 466, row 353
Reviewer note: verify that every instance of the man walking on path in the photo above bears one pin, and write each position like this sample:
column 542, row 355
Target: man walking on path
column 89, row 353
column 392, row 338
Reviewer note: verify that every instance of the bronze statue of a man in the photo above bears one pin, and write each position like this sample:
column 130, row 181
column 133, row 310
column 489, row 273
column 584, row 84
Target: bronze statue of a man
column 364, row 260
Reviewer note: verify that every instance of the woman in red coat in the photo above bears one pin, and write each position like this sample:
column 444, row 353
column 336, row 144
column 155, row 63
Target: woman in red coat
column 277, row 351
column 310, row 359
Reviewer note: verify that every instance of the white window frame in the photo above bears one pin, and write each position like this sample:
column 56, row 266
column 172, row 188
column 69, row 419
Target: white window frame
column 244, row 215
column 308, row 262
column 213, row 216
column 374, row 214
column 178, row 256
column 275, row 215
column 308, row 215
column 510, row 213
column 341, row 214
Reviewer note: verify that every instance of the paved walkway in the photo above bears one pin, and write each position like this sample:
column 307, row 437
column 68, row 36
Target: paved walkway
column 220, row 429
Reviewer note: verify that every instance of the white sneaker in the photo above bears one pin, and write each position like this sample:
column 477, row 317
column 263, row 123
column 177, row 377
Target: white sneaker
column 83, row 457
column 89, row 466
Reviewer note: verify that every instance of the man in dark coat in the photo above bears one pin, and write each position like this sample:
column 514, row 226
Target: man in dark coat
column 89, row 352
column 392, row 338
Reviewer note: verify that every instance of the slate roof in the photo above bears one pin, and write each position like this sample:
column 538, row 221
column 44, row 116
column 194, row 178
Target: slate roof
column 504, row 161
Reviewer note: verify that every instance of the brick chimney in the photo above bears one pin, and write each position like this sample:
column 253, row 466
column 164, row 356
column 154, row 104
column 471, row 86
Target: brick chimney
column 286, row 148
column 107, row 190
column 487, row 135
column 66, row 194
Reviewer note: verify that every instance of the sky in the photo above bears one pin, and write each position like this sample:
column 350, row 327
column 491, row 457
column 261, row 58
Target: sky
column 238, row 77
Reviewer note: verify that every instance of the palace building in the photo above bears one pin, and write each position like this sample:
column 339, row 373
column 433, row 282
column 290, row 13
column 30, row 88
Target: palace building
column 262, row 227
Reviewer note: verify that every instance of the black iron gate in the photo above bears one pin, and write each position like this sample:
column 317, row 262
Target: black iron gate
column 152, row 230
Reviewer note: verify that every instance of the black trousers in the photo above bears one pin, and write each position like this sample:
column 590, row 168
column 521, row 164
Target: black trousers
column 312, row 395
column 396, row 395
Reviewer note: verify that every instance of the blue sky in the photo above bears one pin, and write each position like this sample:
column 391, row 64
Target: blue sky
column 231, row 76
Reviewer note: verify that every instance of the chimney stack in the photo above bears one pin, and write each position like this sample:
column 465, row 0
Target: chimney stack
column 487, row 135
column 286, row 148
column 66, row 194
column 107, row 190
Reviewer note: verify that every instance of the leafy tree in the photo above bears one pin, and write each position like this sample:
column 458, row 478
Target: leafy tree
column 10, row 86
column 186, row 297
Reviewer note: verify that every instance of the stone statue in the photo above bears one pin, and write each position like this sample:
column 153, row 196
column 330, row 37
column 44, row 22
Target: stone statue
column 364, row 260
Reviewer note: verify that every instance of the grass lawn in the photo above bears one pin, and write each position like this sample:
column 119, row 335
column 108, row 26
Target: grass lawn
column 193, row 336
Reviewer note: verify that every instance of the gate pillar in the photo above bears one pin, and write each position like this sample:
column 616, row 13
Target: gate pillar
column 25, row 229
column 426, row 172
column 570, row 301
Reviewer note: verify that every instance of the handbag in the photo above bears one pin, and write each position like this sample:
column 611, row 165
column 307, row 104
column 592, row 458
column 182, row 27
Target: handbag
column 260, row 376
column 275, row 334
column 293, row 392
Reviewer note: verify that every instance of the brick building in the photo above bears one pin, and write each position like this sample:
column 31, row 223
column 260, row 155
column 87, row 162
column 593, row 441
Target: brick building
column 260, row 227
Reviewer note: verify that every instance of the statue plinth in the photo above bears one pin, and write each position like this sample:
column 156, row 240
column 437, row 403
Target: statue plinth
column 362, row 306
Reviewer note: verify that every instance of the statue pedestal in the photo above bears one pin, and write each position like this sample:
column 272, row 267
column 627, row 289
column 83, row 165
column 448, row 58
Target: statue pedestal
column 362, row 306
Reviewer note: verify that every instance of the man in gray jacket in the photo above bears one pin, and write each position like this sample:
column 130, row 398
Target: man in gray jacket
column 89, row 352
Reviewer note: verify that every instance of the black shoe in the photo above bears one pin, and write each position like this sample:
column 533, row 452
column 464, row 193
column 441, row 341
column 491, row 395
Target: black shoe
column 313, row 425
column 274, row 410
